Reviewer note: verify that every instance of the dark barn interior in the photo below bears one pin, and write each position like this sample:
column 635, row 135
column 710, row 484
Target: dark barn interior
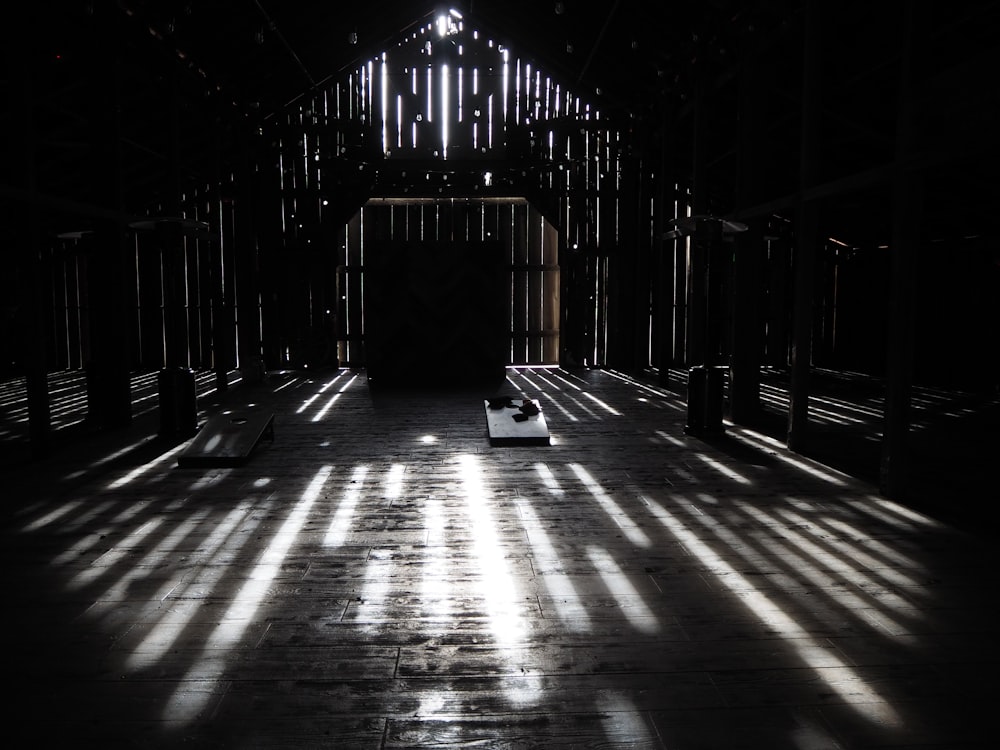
column 271, row 267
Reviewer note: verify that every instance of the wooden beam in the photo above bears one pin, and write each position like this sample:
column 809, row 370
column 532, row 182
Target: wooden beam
column 807, row 228
column 906, row 204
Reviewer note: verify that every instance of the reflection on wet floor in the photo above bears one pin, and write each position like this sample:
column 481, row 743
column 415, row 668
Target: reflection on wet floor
column 360, row 583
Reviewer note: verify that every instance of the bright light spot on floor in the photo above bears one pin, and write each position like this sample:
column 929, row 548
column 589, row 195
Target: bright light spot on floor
column 428, row 439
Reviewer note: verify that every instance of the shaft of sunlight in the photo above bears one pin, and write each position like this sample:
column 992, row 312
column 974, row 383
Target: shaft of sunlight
column 503, row 605
column 186, row 704
column 629, row 600
column 632, row 531
column 857, row 693
column 172, row 621
column 336, row 535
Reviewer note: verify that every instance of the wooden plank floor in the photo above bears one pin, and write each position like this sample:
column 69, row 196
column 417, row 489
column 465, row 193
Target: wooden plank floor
column 381, row 577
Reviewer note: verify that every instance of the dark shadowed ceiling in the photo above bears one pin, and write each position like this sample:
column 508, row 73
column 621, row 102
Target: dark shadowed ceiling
column 172, row 76
column 269, row 51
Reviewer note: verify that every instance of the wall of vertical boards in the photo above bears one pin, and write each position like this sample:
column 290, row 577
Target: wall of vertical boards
column 853, row 259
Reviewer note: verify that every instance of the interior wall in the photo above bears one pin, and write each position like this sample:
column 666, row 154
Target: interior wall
column 527, row 248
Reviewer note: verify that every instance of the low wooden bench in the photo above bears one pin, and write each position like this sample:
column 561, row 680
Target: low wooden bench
column 228, row 439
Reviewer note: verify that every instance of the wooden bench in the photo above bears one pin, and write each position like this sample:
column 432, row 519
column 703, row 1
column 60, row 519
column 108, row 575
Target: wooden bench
column 228, row 439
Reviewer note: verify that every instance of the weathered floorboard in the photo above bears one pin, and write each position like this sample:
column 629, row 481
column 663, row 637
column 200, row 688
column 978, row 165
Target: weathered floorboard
column 381, row 576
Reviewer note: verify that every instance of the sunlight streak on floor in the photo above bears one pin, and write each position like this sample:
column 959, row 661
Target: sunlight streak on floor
column 881, row 548
column 158, row 555
column 634, row 534
column 630, row 601
column 548, row 566
column 497, row 586
column 497, row 582
column 172, row 621
column 140, row 470
column 394, row 482
column 851, row 552
column 329, row 404
column 774, row 448
column 840, row 590
column 308, row 402
column 604, row 405
column 436, row 599
column 52, row 516
column 671, row 439
column 106, row 562
column 549, row 480
column 109, row 458
column 871, row 506
column 185, row 705
column 289, row 383
column 370, row 604
column 904, row 512
column 85, row 542
column 622, row 719
column 723, row 469
column 336, row 534
column 566, row 412
column 857, row 693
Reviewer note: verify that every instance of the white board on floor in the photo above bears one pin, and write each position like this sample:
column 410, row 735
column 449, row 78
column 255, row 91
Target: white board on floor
column 506, row 430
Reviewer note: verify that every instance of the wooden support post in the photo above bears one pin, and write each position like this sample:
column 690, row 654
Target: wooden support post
column 906, row 213
column 663, row 212
column 744, row 387
column 108, row 372
column 27, row 241
column 698, row 271
column 697, row 290
column 747, row 328
column 807, row 229
column 221, row 325
column 250, row 355
column 109, row 368
column 635, row 196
